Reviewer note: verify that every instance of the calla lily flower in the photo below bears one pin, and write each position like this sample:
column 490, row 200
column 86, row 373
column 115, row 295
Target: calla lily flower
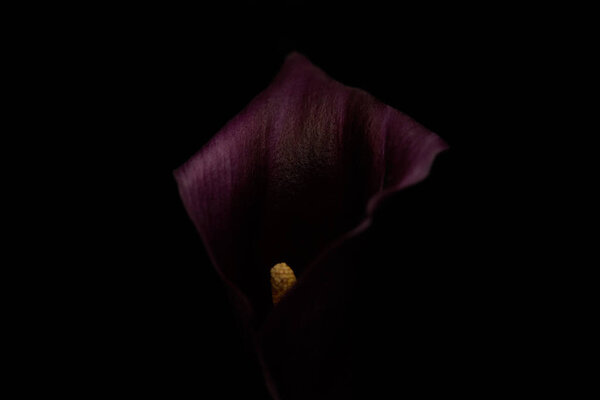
column 295, row 178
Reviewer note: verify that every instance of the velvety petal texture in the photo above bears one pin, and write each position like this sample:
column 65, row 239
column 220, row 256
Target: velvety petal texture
column 294, row 178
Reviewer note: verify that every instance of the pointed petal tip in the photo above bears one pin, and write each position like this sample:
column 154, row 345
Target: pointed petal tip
column 297, row 59
column 295, row 55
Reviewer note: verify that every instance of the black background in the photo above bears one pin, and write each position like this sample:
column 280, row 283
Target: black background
column 149, row 86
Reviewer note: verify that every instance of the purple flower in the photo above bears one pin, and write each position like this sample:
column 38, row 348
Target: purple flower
column 296, row 177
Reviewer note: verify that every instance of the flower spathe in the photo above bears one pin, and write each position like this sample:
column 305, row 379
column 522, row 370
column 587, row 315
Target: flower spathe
column 295, row 174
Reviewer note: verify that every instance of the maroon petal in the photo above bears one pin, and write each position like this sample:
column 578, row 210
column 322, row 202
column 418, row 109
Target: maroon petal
column 291, row 178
